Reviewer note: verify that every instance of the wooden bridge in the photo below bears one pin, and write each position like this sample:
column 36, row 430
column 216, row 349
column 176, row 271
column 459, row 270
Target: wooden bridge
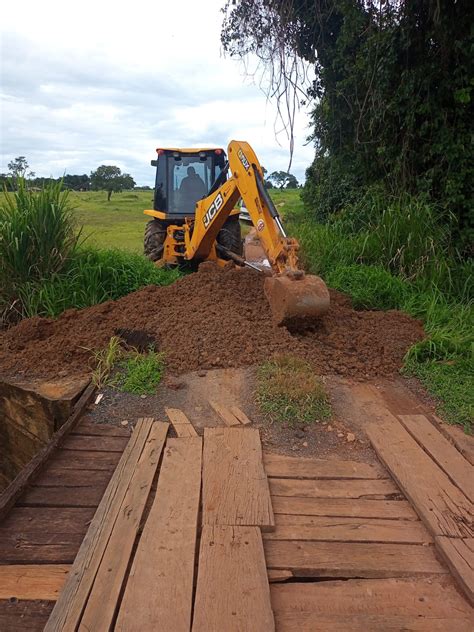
column 143, row 531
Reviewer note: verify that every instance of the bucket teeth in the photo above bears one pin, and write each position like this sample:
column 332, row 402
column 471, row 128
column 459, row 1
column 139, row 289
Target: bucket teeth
column 294, row 300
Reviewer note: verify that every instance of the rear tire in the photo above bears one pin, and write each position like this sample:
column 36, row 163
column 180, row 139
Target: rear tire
column 155, row 235
column 230, row 236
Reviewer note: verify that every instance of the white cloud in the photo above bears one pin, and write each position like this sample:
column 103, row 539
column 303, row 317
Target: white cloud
column 107, row 82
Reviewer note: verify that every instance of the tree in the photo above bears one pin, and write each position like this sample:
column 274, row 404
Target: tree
column 18, row 168
column 110, row 178
column 283, row 180
column 76, row 182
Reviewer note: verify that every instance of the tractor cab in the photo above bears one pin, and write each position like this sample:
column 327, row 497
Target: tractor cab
column 185, row 176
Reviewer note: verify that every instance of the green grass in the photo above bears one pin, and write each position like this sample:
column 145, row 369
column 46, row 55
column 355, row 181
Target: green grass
column 119, row 223
column 91, row 277
column 141, row 373
column 288, row 391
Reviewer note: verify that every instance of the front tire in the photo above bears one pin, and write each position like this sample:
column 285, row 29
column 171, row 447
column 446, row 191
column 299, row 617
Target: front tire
column 155, row 235
column 230, row 236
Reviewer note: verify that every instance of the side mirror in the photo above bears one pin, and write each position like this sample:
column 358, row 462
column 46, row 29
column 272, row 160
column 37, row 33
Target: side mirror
column 154, row 163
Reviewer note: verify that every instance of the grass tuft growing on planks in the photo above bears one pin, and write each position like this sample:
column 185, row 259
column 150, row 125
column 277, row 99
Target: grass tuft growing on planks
column 289, row 391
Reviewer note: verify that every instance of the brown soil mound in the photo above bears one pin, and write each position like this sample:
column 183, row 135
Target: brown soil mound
column 214, row 318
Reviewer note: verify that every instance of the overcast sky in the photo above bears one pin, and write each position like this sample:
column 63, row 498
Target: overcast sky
column 106, row 82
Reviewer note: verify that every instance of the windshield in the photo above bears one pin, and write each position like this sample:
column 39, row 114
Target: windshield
column 189, row 181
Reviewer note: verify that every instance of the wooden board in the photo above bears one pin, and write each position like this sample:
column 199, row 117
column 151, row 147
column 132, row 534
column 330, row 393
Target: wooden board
column 39, row 547
column 13, row 491
column 433, row 597
column 327, row 488
column 101, row 605
column 100, row 430
column 457, row 468
column 232, row 588
column 26, row 581
column 164, row 560
column 307, row 622
column 241, row 416
column 23, row 520
column 81, row 460
column 342, row 559
column 95, row 444
column 277, row 575
column 24, row 616
column 235, row 486
column 463, row 442
column 225, row 414
column 440, row 504
column 61, row 497
column 53, row 476
column 459, row 555
column 344, row 507
column 282, row 466
column 181, row 424
column 348, row 530
column 70, row 605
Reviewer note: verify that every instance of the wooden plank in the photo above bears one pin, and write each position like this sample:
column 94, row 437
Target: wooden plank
column 343, row 559
column 181, row 423
column 101, row 606
column 459, row 555
column 307, row 622
column 92, row 429
column 26, row 581
column 425, row 597
column 440, row 504
column 225, row 414
column 71, row 602
column 232, row 588
column 164, row 560
column 282, row 466
column 278, row 575
column 53, row 476
column 39, row 547
column 23, row 520
column 235, row 486
column 61, row 497
column 344, row 507
column 241, row 416
column 348, row 530
column 327, row 488
column 458, row 470
column 81, row 460
column 24, row 616
column 463, row 442
column 95, row 444
column 13, row 491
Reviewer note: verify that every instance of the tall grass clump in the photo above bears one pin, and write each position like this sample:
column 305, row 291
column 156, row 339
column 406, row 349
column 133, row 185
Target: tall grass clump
column 38, row 237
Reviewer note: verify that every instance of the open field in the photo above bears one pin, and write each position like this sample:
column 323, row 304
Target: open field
column 116, row 224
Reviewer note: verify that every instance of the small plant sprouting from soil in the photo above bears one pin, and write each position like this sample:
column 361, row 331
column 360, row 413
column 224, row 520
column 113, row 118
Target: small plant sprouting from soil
column 289, row 391
column 104, row 361
column 141, row 373
column 127, row 370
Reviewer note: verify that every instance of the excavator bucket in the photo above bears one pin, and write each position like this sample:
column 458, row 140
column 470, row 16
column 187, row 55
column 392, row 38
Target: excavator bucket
column 296, row 301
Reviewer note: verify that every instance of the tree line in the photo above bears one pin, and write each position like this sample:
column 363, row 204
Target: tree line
column 105, row 178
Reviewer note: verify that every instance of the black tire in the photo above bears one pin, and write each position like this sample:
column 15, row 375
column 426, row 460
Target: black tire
column 155, row 235
column 230, row 236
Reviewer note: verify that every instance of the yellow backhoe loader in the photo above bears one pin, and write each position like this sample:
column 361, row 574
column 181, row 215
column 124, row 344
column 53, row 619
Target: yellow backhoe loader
column 196, row 218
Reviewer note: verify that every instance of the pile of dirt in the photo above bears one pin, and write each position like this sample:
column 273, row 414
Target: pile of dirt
column 213, row 318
